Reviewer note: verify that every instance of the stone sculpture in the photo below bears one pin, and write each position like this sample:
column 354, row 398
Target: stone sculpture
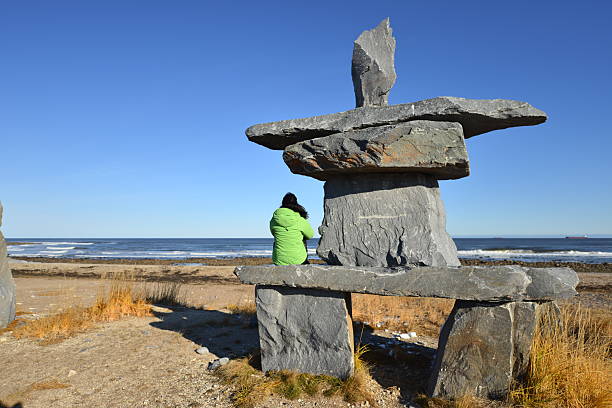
column 381, row 163
column 384, row 232
column 7, row 284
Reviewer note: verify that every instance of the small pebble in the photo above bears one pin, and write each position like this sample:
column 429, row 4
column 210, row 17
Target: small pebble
column 213, row 365
column 202, row 350
column 71, row 373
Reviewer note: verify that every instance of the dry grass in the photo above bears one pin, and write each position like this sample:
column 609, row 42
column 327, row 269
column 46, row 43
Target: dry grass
column 165, row 293
column 246, row 308
column 38, row 386
column 251, row 386
column 118, row 301
column 570, row 363
column 424, row 315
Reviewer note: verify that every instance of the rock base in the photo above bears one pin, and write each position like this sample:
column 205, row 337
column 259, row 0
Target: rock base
column 304, row 330
column 482, row 348
column 385, row 220
column 7, row 285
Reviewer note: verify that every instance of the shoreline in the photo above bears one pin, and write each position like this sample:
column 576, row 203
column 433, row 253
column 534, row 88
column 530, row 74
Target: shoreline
column 238, row 261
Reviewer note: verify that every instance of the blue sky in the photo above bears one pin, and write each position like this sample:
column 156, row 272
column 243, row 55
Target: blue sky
column 126, row 118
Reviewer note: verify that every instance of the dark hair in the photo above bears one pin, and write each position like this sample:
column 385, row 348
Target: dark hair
column 290, row 201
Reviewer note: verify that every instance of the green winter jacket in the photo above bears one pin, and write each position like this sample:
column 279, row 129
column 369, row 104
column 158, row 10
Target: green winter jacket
column 289, row 230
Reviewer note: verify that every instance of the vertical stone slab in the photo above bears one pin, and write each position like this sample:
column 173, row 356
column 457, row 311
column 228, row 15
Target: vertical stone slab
column 385, row 219
column 373, row 65
column 304, row 330
column 482, row 348
column 7, row 284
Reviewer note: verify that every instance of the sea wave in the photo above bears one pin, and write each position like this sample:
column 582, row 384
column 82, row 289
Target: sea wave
column 51, row 243
column 60, row 248
column 532, row 253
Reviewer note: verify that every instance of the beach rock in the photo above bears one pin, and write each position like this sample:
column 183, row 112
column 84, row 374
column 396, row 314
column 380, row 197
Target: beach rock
column 202, row 350
column 213, row 365
column 477, row 116
column 420, row 146
column 304, row 330
column 478, row 283
column 7, row 284
column 482, row 348
column 373, row 66
column 385, row 220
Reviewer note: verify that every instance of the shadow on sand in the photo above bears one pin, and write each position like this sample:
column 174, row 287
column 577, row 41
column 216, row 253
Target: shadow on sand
column 224, row 334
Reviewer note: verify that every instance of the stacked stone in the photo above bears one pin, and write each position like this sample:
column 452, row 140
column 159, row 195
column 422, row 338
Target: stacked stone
column 7, row 284
column 384, row 226
column 381, row 164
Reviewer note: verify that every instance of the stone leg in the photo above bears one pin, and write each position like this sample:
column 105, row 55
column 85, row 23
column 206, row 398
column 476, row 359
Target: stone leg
column 385, row 219
column 7, row 285
column 304, row 330
column 482, row 348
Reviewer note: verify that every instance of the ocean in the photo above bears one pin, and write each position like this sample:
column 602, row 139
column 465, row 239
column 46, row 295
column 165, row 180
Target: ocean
column 591, row 250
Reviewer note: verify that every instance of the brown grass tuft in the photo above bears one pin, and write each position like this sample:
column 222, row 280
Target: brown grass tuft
column 121, row 300
column 247, row 308
column 251, row 386
column 570, row 363
column 37, row 386
column 166, row 293
column 424, row 315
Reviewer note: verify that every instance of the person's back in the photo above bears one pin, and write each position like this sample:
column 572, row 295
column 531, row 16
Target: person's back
column 289, row 229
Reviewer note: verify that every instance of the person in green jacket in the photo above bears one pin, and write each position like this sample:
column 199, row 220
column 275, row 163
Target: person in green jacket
column 291, row 230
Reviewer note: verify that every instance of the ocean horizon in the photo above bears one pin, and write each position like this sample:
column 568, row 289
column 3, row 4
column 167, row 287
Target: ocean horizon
column 591, row 250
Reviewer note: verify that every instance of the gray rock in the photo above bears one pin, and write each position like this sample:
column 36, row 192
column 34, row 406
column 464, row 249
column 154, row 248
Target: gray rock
column 477, row 116
column 7, row 285
column 421, row 146
column 373, row 66
column 385, row 220
column 482, row 348
column 484, row 283
column 304, row 330
column 213, row 365
column 202, row 350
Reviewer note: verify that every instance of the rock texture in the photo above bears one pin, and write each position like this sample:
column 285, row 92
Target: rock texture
column 477, row 116
column 478, row 283
column 304, row 330
column 385, row 220
column 421, row 146
column 7, row 284
column 373, row 65
column 482, row 348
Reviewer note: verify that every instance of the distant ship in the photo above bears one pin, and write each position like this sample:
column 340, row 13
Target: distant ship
column 578, row 237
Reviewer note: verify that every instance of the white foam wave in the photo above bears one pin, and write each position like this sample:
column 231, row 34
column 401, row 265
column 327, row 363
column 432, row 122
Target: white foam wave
column 53, row 252
column 63, row 243
column 534, row 254
column 60, row 248
column 17, row 249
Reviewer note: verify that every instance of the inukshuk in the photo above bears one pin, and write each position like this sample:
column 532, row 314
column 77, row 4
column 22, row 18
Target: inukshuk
column 381, row 164
column 384, row 233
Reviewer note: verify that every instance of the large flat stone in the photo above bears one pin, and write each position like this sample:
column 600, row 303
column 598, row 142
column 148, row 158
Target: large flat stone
column 7, row 285
column 420, row 146
column 385, row 220
column 478, row 283
column 304, row 330
column 482, row 348
column 477, row 116
column 373, row 66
